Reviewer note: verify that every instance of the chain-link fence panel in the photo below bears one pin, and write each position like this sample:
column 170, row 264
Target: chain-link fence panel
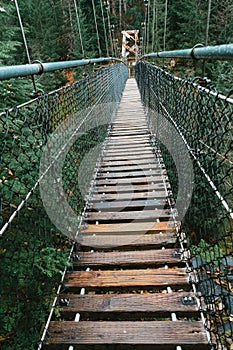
column 203, row 120
column 57, row 128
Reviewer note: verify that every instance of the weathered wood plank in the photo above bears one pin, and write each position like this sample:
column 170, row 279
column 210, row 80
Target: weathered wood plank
column 140, row 278
column 131, row 228
column 150, row 203
column 124, row 143
column 127, row 151
column 117, row 133
column 129, row 196
column 128, row 157
column 130, row 181
column 129, row 215
column 143, row 258
column 129, row 167
column 129, row 138
column 129, row 127
column 132, row 241
column 131, row 187
column 130, row 174
column 158, row 303
column 124, row 332
column 129, row 162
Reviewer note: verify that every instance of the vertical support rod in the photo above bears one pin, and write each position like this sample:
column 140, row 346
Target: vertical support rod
column 153, row 25
column 165, row 25
column 148, row 27
column 104, row 26
column 96, row 28
column 79, row 28
column 207, row 33
column 24, row 41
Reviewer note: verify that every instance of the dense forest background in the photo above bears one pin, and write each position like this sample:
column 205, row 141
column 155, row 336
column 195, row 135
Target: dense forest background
column 68, row 29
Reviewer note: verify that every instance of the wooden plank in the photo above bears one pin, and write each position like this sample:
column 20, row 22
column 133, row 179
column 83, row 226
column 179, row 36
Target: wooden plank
column 129, row 138
column 128, row 196
column 130, row 228
column 130, row 174
column 129, row 127
column 123, row 143
column 125, row 332
column 159, row 303
column 127, row 152
column 150, row 203
column 140, row 278
column 129, row 162
column 133, row 180
column 119, row 188
column 114, row 148
column 130, row 133
column 130, row 167
column 132, row 241
column 129, row 215
column 128, row 157
column 143, row 258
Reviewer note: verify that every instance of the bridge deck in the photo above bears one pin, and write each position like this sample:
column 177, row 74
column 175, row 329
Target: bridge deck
column 128, row 254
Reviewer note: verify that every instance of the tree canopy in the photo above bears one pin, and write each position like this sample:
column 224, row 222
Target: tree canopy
column 73, row 29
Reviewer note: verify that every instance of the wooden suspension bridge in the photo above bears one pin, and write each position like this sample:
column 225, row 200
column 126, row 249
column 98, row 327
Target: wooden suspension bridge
column 130, row 287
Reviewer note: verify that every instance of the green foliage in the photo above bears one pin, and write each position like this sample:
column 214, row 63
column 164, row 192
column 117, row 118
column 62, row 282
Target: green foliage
column 49, row 262
column 208, row 252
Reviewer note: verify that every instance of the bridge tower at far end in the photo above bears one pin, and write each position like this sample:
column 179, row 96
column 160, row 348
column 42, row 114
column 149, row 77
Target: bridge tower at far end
column 130, row 48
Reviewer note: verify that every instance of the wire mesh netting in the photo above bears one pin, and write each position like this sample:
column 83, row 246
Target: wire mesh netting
column 202, row 119
column 44, row 142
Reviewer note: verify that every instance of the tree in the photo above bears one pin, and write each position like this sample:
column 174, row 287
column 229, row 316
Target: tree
column 13, row 91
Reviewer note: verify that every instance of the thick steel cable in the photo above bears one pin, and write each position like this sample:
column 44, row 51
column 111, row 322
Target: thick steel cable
column 208, row 23
column 24, row 41
column 109, row 30
column 104, row 26
column 96, row 28
column 153, row 25
column 120, row 15
column 148, row 27
column 145, row 31
column 79, row 28
column 125, row 5
column 207, row 32
column 165, row 25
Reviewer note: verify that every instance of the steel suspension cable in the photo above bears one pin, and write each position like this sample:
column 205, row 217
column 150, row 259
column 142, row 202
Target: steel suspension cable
column 125, row 5
column 96, row 28
column 207, row 33
column 120, row 14
column 24, row 41
column 104, row 26
column 145, row 30
column 109, row 28
column 155, row 26
column 208, row 23
column 79, row 28
column 165, row 25
column 148, row 27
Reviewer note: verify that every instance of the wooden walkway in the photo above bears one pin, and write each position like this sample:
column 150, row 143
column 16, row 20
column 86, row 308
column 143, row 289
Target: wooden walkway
column 129, row 288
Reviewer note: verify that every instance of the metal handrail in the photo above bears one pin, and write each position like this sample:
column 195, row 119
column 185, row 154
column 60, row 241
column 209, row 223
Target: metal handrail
column 221, row 52
column 37, row 68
